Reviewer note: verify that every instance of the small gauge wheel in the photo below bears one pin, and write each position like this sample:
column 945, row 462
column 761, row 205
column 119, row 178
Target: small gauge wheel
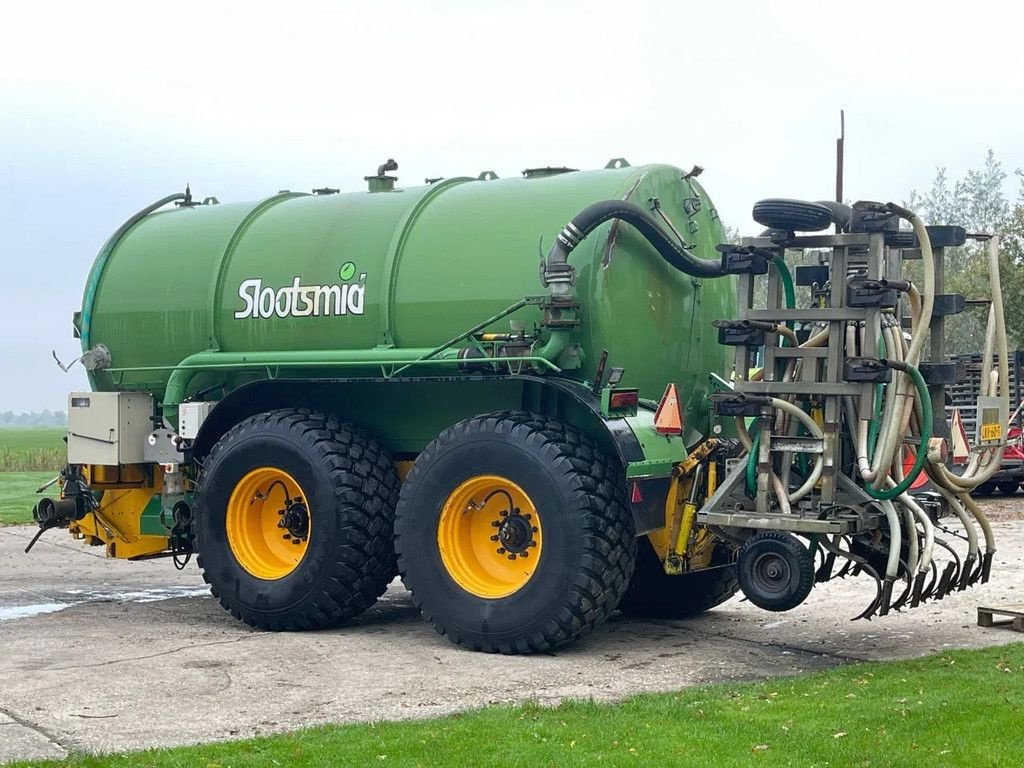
column 776, row 571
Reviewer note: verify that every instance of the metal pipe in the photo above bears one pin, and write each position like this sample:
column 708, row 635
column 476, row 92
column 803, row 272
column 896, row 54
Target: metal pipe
column 183, row 373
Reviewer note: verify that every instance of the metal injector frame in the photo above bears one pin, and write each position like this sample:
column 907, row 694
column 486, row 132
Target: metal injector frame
column 841, row 411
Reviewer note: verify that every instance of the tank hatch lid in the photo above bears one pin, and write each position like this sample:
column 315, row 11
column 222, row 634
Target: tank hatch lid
column 537, row 173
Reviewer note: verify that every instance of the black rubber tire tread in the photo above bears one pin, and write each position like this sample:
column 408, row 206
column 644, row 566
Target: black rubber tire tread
column 801, row 561
column 792, row 215
column 653, row 594
column 597, row 576
column 358, row 561
column 987, row 488
column 1008, row 487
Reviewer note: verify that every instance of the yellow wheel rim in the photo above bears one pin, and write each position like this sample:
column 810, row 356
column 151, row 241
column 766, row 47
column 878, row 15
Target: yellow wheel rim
column 268, row 523
column 489, row 536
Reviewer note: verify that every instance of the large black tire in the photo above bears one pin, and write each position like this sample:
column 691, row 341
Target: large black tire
column 792, row 215
column 653, row 594
column 351, row 488
column 588, row 551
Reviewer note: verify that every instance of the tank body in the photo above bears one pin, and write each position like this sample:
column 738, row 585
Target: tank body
column 410, row 268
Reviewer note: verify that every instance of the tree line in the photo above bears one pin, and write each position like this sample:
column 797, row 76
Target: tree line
column 978, row 202
column 44, row 418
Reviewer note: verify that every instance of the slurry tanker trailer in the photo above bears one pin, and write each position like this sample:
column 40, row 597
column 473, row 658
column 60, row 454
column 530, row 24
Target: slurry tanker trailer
column 537, row 400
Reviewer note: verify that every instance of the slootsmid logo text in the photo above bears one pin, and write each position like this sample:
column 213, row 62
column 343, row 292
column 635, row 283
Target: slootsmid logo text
column 299, row 300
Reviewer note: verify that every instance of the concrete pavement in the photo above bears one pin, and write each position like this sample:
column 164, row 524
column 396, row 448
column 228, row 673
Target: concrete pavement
column 101, row 655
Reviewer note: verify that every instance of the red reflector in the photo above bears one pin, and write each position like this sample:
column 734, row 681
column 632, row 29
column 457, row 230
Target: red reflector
column 625, row 399
column 637, row 497
column 668, row 419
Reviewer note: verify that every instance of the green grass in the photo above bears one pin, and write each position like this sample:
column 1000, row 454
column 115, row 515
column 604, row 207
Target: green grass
column 28, row 458
column 18, row 495
column 961, row 708
column 32, row 450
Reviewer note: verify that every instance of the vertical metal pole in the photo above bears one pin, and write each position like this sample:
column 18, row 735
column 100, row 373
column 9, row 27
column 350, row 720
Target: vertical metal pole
column 764, row 458
column 840, row 152
column 775, row 302
column 834, row 374
column 937, row 353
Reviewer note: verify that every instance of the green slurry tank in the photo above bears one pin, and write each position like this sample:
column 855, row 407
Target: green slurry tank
column 486, row 385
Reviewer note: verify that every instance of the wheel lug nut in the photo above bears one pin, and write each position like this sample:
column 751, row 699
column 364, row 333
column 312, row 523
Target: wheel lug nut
column 534, row 529
column 501, row 550
column 496, row 524
column 504, row 513
column 511, row 557
column 287, row 537
column 296, row 541
column 494, row 538
column 532, row 544
column 524, row 554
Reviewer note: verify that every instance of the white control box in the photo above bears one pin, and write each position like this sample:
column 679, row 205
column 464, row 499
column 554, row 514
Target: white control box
column 108, row 428
column 191, row 417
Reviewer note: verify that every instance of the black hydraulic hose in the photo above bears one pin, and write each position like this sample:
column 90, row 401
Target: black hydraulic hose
column 593, row 216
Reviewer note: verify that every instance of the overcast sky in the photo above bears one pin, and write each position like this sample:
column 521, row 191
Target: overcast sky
column 106, row 106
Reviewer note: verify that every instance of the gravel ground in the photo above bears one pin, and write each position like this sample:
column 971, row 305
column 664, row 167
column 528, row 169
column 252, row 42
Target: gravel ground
column 110, row 655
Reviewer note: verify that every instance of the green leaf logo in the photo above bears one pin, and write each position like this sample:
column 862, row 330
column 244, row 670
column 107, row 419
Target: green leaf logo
column 347, row 271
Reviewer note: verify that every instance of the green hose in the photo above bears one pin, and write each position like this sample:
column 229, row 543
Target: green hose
column 755, row 443
column 790, row 297
column 922, row 450
column 787, row 281
column 879, row 393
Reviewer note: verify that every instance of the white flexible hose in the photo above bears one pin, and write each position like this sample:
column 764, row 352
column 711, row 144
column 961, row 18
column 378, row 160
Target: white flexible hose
column 965, row 520
column 986, row 356
column 982, row 518
column 898, row 391
column 815, row 430
column 892, row 567
column 978, row 471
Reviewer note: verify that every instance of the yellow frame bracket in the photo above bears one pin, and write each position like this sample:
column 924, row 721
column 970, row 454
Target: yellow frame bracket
column 681, row 508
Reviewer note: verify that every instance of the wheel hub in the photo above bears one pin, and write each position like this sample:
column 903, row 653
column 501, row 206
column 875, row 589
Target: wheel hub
column 772, row 572
column 515, row 533
column 295, row 518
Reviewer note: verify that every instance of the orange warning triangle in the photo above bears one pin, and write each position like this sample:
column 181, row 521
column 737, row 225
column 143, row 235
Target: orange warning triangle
column 909, row 459
column 961, row 446
column 668, row 419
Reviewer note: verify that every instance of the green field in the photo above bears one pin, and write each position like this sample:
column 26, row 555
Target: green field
column 32, row 450
column 28, row 458
column 18, row 495
column 953, row 709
